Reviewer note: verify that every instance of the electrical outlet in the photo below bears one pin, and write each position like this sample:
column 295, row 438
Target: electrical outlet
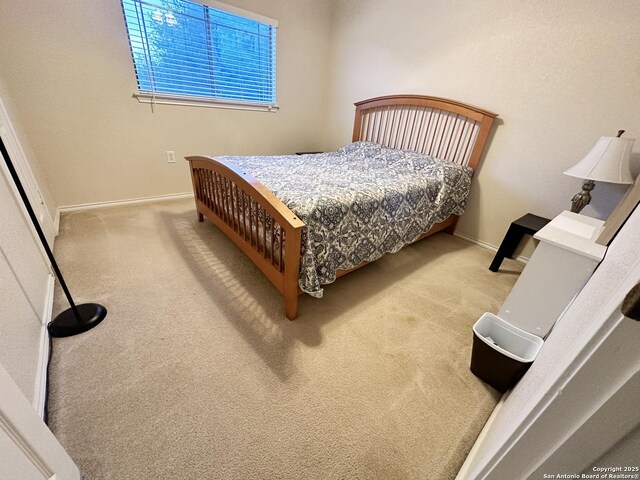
column 171, row 156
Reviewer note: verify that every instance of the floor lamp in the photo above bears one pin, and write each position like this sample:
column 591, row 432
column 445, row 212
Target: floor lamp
column 78, row 318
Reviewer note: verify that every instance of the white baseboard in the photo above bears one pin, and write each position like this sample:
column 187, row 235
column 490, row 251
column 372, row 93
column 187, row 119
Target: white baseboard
column 464, row 470
column 40, row 387
column 488, row 246
column 120, row 203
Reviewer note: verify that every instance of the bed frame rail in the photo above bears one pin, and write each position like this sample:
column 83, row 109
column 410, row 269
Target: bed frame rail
column 254, row 219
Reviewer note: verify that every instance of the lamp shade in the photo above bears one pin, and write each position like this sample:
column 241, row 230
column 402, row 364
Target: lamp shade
column 608, row 161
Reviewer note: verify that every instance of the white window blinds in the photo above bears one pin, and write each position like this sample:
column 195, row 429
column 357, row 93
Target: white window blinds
column 184, row 50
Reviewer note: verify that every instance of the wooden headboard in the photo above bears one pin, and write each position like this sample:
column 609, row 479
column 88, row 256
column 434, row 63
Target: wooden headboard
column 439, row 127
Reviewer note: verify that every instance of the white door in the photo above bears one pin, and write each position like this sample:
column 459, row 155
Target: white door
column 28, row 449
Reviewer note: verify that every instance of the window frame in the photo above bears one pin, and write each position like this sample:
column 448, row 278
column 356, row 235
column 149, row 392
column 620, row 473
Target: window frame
column 153, row 97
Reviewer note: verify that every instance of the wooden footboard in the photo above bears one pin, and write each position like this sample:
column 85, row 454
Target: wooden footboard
column 254, row 218
column 259, row 223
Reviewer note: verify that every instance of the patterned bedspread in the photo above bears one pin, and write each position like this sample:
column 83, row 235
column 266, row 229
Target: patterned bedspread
column 359, row 202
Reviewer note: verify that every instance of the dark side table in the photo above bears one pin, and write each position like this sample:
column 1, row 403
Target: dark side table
column 527, row 225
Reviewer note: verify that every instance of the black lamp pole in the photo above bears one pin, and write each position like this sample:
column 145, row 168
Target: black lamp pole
column 78, row 318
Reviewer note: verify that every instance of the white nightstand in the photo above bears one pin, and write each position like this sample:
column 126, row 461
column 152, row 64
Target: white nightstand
column 561, row 264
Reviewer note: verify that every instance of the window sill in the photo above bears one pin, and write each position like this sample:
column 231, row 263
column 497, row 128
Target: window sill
column 189, row 101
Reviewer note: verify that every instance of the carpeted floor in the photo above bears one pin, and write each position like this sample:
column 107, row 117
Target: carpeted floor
column 196, row 374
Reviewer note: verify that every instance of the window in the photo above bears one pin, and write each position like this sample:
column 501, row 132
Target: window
column 187, row 53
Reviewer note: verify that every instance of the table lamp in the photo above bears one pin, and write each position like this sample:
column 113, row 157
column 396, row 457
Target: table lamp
column 608, row 161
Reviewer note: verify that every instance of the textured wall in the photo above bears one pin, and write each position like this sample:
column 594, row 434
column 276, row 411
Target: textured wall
column 67, row 66
column 559, row 74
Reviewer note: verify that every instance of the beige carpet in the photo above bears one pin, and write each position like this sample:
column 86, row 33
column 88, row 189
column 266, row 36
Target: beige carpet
column 196, row 374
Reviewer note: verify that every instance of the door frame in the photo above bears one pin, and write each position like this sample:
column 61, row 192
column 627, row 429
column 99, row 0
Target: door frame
column 28, row 179
column 20, row 423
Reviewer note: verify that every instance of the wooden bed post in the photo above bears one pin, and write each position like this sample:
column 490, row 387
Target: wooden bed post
column 196, row 191
column 292, row 272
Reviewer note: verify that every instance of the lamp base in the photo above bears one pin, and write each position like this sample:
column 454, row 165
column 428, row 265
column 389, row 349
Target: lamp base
column 67, row 324
column 582, row 199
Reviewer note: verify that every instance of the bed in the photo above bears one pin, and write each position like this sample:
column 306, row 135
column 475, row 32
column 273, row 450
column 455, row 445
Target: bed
column 305, row 220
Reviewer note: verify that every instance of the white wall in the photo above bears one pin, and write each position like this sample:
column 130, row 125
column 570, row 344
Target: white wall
column 68, row 68
column 559, row 74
